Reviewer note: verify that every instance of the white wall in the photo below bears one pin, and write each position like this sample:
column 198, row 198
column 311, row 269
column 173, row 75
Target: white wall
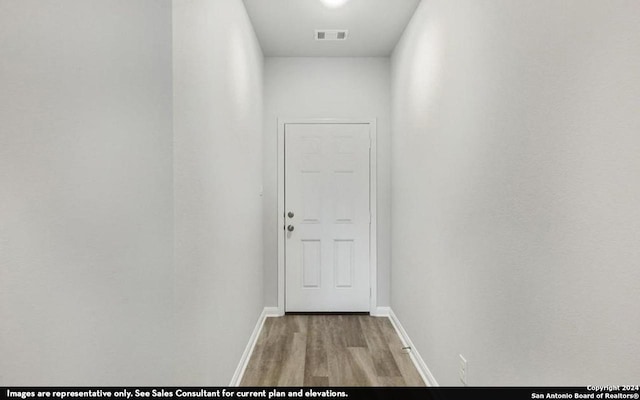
column 325, row 88
column 516, row 188
column 85, row 192
column 217, row 171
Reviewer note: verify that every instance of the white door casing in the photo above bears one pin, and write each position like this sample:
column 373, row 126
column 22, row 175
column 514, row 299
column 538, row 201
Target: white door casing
column 327, row 213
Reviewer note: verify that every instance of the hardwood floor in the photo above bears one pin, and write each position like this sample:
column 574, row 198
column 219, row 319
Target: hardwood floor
column 329, row 350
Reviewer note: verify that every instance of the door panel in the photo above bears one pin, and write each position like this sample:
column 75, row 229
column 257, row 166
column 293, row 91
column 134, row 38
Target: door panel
column 327, row 192
column 311, row 263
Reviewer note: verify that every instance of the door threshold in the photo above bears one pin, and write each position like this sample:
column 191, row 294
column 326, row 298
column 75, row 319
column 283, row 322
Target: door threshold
column 327, row 313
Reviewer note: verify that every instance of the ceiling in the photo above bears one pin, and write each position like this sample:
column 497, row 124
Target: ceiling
column 286, row 28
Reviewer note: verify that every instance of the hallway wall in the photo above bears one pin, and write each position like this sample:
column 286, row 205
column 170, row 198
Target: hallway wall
column 218, row 85
column 516, row 187
column 85, row 193
column 332, row 87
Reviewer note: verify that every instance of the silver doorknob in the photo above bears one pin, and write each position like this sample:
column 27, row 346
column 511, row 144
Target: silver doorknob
column 290, row 215
column 290, row 228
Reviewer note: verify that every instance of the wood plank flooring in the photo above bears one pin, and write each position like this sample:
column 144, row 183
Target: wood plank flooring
column 329, row 350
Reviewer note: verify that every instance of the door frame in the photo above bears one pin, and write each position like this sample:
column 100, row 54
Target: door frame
column 373, row 243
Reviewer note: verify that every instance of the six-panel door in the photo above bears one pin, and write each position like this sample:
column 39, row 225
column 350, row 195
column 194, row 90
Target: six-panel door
column 327, row 217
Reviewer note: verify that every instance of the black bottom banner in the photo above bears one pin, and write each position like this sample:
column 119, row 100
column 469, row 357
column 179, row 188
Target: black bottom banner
column 274, row 393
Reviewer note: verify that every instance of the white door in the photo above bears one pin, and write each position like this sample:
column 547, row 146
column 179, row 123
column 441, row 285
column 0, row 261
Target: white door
column 327, row 217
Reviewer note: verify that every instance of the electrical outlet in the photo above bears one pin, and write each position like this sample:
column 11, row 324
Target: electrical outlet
column 463, row 369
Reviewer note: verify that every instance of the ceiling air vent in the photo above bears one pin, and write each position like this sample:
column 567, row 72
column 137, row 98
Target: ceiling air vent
column 331, row 34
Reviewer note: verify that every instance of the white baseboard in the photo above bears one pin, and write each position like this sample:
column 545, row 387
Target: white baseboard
column 246, row 355
column 273, row 312
column 421, row 366
column 380, row 312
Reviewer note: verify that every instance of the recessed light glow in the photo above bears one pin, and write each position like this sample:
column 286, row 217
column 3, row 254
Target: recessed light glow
column 333, row 3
